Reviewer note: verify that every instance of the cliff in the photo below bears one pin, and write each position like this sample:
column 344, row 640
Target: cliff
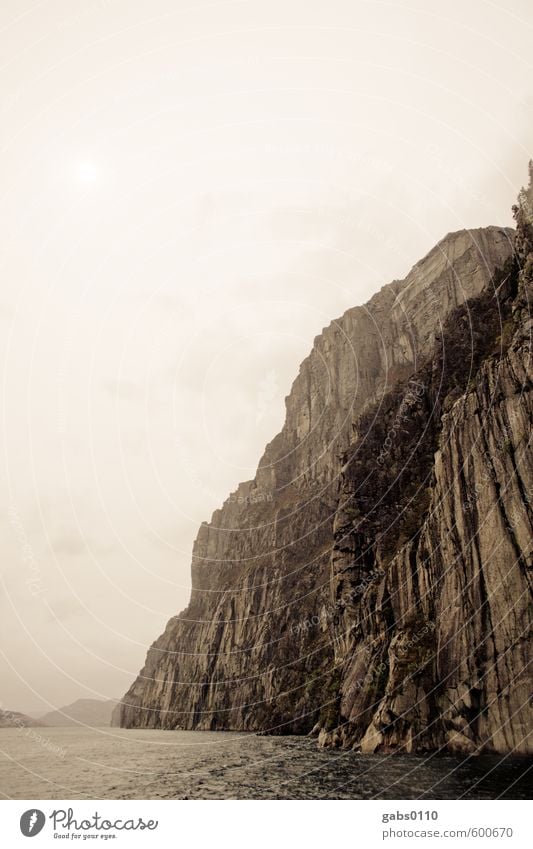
column 348, row 596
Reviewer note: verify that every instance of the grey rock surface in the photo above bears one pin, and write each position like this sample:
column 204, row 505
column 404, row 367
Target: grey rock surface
column 287, row 629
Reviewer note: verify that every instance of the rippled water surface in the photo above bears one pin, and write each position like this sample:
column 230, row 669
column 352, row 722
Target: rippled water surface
column 78, row 763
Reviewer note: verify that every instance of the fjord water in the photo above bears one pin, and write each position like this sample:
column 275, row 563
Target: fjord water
column 115, row 763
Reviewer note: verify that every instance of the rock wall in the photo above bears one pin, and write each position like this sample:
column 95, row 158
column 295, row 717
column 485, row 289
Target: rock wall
column 271, row 638
column 432, row 569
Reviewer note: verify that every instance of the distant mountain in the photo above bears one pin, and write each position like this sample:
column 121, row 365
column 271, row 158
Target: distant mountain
column 13, row 719
column 94, row 712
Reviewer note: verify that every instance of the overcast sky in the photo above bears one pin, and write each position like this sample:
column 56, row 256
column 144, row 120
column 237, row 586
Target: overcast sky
column 191, row 191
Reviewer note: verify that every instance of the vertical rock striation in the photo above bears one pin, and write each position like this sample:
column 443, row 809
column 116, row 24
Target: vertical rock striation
column 432, row 567
column 384, row 607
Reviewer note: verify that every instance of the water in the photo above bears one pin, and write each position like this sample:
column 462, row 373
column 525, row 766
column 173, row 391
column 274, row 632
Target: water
column 114, row 763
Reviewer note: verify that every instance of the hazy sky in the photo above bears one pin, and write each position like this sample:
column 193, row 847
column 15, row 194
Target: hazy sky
column 191, row 191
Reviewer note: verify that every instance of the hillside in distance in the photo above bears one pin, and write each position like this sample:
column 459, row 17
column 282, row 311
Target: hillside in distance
column 92, row 712
column 14, row 719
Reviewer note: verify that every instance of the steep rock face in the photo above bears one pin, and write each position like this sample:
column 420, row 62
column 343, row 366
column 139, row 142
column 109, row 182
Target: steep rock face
column 87, row 712
column 433, row 642
column 432, row 565
column 253, row 650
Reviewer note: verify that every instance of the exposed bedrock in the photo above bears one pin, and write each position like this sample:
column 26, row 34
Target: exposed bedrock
column 381, row 633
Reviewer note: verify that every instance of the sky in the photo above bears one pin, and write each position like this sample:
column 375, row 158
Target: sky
column 191, row 192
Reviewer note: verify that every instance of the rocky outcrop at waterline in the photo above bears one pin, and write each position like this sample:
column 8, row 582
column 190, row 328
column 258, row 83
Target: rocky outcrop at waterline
column 94, row 713
column 14, row 719
column 373, row 584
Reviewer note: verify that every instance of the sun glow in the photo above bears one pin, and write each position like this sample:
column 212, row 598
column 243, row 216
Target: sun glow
column 87, row 172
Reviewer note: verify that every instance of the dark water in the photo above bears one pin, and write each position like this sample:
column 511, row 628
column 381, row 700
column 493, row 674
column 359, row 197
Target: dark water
column 110, row 763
